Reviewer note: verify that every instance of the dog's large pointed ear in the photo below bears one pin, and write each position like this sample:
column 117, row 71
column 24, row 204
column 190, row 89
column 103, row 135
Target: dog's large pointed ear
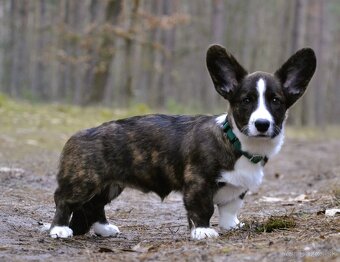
column 225, row 71
column 296, row 73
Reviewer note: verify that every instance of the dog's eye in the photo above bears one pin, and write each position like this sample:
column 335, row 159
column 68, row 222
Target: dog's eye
column 246, row 100
column 276, row 101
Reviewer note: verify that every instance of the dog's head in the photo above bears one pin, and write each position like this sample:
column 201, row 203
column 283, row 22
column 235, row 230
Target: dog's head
column 259, row 101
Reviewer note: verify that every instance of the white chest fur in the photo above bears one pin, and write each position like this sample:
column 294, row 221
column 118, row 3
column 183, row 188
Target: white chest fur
column 246, row 175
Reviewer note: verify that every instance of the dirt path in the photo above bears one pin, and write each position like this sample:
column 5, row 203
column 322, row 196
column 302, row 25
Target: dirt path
column 300, row 184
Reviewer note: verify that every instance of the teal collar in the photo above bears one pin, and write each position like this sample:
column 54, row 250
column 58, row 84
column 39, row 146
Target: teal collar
column 237, row 145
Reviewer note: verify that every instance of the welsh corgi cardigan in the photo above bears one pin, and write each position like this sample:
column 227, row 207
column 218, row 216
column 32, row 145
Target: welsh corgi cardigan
column 211, row 160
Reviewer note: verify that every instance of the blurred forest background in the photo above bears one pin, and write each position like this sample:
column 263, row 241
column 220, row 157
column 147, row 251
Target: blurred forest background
column 120, row 53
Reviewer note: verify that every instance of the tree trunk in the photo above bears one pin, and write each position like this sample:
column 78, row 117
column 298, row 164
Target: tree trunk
column 19, row 72
column 217, row 21
column 153, row 74
column 298, row 40
column 207, row 95
column 321, row 88
column 314, row 11
column 10, row 49
column 165, row 88
column 249, row 34
column 101, row 68
column 129, row 55
column 65, row 45
column 38, row 84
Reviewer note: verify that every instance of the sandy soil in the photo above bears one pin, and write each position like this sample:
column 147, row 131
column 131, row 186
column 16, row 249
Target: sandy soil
column 301, row 183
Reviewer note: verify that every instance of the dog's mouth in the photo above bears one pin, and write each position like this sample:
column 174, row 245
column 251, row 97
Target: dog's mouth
column 270, row 134
column 259, row 136
column 262, row 135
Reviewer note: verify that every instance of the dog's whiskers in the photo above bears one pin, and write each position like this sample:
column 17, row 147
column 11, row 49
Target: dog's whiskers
column 244, row 130
column 277, row 130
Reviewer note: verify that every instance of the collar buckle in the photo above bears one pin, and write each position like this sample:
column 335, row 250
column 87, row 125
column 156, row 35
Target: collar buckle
column 256, row 158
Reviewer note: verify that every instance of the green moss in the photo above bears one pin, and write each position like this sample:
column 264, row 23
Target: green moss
column 225, row 250
column 276, row 223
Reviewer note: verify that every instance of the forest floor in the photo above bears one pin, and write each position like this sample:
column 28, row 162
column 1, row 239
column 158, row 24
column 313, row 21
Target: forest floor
column 285, row 220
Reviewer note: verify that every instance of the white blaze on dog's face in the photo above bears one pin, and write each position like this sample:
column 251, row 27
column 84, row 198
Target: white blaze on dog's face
column 261, row 120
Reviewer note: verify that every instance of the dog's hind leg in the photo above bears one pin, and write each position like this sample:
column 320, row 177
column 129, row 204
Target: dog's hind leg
column 59, row 227
column 92, row 213
column 69, row 197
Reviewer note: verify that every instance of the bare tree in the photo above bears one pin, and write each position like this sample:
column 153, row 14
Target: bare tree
column 103, row 58
column 314, row 29
column 298, row 41
column 129, row 54
column 39, row 70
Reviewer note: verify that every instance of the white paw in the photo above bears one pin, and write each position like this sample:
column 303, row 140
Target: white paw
column 105, row 230
column 203, row 232
column 240, row 225
column 61, row 232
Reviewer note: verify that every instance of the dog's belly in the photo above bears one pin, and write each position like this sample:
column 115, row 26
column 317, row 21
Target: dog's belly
column 161, row 183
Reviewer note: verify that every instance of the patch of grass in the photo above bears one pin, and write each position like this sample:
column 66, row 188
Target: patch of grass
column 225, row 250
column 50, row 125
column 336, row 195
column 139, row 109
column 276, row 223
column 3, row 100
column 173, row 107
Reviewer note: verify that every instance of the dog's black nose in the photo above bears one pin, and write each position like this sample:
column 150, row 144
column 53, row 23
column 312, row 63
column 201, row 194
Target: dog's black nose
column 262, row 125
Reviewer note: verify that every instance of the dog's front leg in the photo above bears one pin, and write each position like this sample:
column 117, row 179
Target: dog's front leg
column 198, row 201
column 228, row 214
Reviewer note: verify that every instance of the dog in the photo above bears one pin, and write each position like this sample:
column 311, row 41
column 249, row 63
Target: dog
column 211, row 160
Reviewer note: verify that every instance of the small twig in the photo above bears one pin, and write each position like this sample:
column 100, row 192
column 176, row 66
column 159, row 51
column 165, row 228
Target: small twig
column 173, row 232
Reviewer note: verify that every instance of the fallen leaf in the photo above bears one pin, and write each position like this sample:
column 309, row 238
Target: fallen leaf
column 11, row 170
column 277, row 175
column 105, row 250
column 332, row 212
column 321, row 212
column 271, row 199
column 32, row 142
column 299, row 198
column 141, row 249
